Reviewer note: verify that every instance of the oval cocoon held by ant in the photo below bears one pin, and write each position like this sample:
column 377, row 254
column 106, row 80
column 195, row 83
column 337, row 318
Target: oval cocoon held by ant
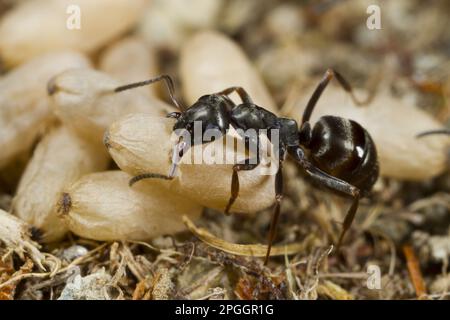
column 60, row 158
column 130, row 60
column 39, row 26
column 84, row 100
column 24, row 105
column 141, row 143
column 211, row 62
column 393, row 126
column 102, row 206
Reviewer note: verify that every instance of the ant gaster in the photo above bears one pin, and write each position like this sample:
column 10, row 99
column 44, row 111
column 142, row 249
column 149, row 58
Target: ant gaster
column 342, row 155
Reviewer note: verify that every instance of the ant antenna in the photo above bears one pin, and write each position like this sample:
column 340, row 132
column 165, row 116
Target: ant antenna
column 328, row 76
column 147, row 176
column 178, row 151
column 167, row 80
column 431, row 132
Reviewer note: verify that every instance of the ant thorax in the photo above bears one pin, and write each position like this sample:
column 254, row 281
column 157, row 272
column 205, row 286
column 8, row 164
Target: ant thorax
column 234, row 145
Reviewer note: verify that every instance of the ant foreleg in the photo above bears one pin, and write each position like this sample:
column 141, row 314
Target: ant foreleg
column 330, row 74
column 333, row 183
column 245, row 97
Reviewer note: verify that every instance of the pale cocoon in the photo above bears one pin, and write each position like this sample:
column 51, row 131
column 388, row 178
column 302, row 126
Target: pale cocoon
column 142, row 143
column 102, row 206
column 211, row 62
column 24, row 105
column 393, row 126
column 167, row 23
column 59, row 159
column 84, row 100
column 39, row 26
column 131, row 60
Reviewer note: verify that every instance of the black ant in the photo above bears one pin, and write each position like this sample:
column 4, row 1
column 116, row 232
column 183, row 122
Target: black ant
column 342, row 155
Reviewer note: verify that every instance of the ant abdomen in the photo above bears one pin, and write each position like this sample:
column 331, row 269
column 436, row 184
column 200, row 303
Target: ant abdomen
column 344, row 149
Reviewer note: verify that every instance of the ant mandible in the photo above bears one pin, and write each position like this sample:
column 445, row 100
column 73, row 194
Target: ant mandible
column 342, row 156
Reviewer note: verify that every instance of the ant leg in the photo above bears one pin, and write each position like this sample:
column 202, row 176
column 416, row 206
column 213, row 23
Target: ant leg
column 235, row 179
column 276, row 211
column 246, row 165
column 167, row 79
column 333, row 183
column 330, row 74
column 245, row 97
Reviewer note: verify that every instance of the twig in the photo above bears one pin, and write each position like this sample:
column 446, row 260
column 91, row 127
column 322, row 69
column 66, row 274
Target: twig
column 356, row 275
column 414, row 271
column 391, row 244
column 290, row 277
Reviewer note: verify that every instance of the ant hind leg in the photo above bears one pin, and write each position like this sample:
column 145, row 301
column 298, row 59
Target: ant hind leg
column 332, row 183
column 330, row 74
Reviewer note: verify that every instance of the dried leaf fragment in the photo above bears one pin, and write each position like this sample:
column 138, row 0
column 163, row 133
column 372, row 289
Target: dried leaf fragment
column 91, row 287
column 333, row 291
column 251, row 250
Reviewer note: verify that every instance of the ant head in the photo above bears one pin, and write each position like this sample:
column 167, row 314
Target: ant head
column 184, row 125
column 174, row 115
column 181, row 123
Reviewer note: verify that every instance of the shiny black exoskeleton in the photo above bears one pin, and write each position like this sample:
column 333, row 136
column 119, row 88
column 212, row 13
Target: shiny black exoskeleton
column 342, row 155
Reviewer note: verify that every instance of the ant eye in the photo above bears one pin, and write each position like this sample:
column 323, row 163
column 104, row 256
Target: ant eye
column 175, row 115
